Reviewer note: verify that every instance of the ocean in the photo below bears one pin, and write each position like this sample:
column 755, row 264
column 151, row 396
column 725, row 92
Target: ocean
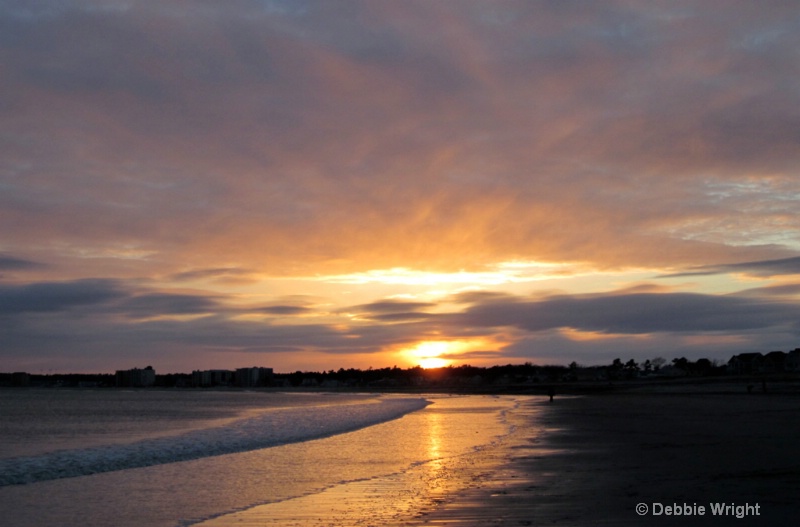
column 179, row 458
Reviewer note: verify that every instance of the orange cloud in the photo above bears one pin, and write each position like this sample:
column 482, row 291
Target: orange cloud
column 243, row 150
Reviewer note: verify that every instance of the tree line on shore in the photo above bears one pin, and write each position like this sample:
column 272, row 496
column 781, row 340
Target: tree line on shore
column 448, row 376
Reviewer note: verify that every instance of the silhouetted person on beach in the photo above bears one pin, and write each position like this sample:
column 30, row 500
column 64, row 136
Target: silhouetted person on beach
column 551, row 392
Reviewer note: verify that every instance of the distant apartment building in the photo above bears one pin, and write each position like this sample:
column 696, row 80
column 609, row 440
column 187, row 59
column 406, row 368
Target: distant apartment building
column 745, row 363
column 773, row 362
column 253, row 377
column 792, row 362
column 136, row 378
column 209, row 378
column 242, row 377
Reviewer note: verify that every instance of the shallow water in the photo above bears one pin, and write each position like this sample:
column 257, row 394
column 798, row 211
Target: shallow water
column 403, row 464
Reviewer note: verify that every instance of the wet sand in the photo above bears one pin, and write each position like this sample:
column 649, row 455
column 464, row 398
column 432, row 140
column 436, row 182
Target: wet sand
column 592, row 460
column 448, row 447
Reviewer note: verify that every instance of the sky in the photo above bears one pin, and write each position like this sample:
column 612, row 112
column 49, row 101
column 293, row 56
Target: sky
column 311, row 185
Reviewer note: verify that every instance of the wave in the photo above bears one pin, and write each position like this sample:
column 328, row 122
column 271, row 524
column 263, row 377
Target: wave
column 272, row 428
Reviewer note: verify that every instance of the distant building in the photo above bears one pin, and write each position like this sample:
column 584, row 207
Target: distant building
column 792, row 362
column 136, row 378
column 745, row 363
column 309, row 382
column 209, row 378
column 253, row 377
column 20, row 378
column 242, row 377
column 773, row 362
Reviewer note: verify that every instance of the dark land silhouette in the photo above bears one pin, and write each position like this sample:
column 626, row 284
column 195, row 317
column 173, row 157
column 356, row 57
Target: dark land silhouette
column 758, row 370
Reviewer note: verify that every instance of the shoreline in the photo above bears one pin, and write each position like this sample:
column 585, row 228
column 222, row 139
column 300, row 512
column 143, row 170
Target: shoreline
column 782, row 383
column 581, row 460
column 592, row 460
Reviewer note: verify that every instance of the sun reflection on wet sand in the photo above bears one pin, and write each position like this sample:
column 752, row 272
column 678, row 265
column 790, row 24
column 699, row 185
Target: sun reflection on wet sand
column 436, row 469
column 449, row 438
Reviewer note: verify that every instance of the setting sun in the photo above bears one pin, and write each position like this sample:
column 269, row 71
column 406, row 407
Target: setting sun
column 430, row 354
column 441, row 353
column 416, row 235
column 433, row 362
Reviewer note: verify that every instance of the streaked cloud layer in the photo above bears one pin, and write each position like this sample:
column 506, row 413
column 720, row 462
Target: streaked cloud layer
column 325, row 184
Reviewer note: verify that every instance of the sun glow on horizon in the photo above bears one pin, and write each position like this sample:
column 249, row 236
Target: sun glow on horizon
column 433, row 362
column 429, row 354
column 440, row 353
column 498, row 274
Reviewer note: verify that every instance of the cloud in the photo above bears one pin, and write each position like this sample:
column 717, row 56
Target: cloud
column 285, row 310
column 158, row 304
column 379, row 140
column 778, row 290
column 102, row 298
column 763, row 268
column 633, row 314
column 481, row 297
column 10, row 263
column 112, row 320
column 57, row 296
column 392, row 306
column 242, row 148
column 222, row 274
column 400, row 317
column 389, row 311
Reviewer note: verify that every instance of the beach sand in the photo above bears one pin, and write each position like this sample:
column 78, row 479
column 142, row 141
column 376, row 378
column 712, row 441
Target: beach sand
column 591, row 460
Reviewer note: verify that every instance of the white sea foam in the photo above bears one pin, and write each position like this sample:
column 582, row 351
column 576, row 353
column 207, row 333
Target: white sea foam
column 275, row 427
